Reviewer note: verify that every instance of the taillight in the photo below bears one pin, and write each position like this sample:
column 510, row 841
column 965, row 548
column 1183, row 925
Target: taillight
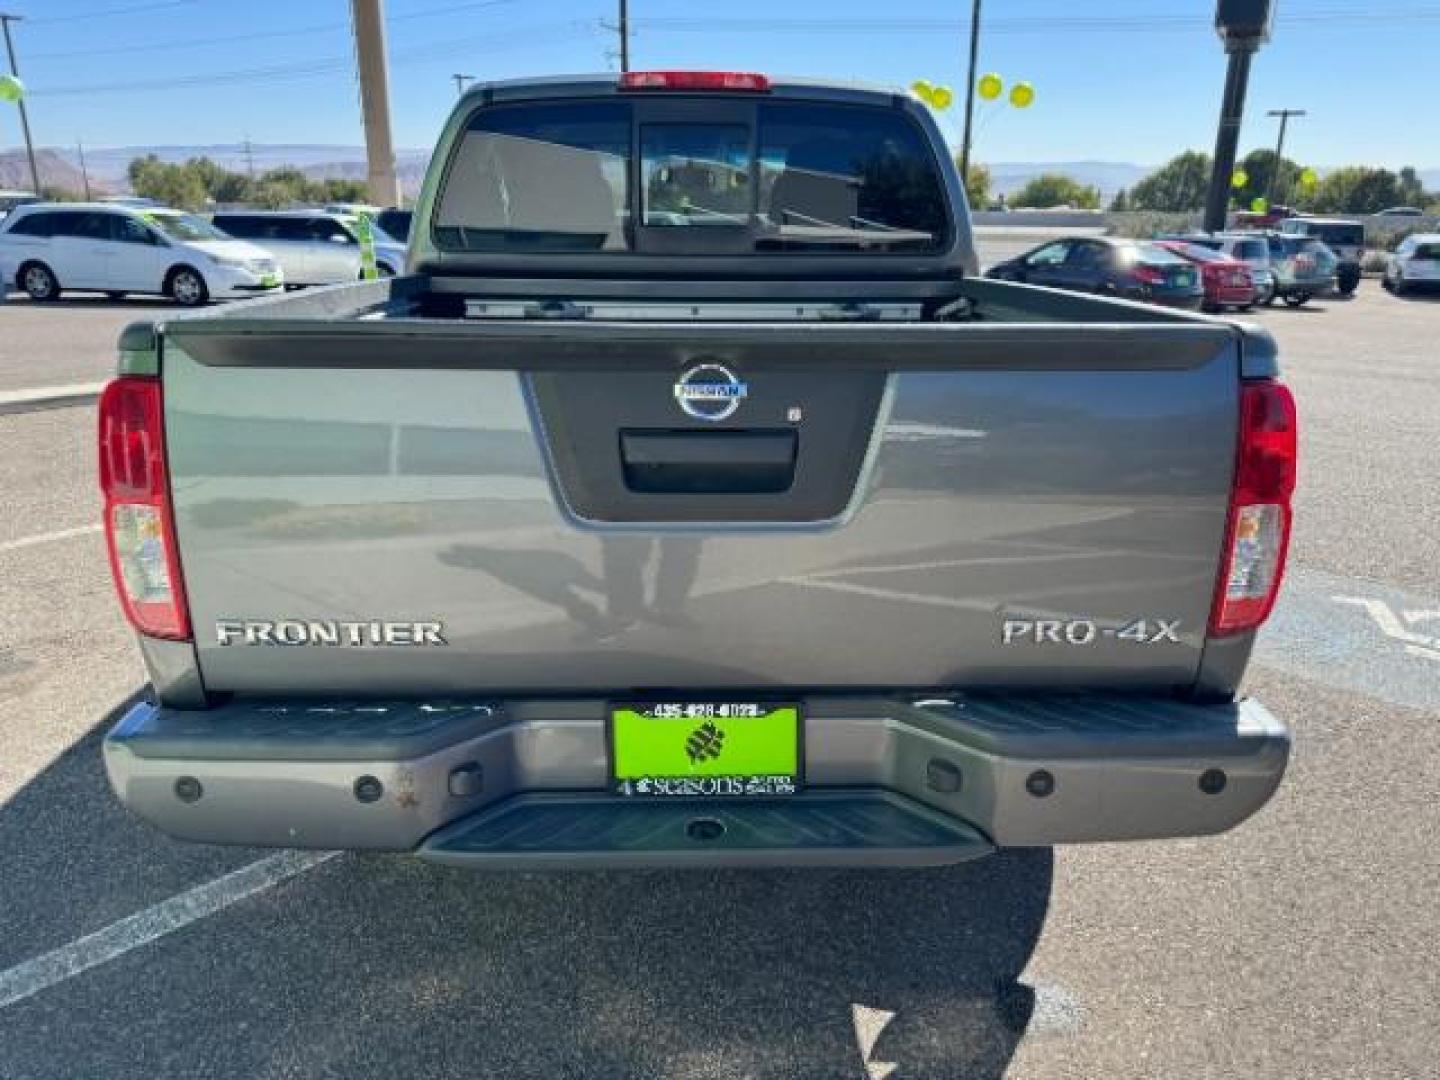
column 694, row 80
column 1147, row 275
column 139, row 524
column 1258, row 533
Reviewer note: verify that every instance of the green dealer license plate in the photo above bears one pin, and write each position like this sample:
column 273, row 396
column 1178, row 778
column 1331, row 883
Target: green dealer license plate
column 709, row 749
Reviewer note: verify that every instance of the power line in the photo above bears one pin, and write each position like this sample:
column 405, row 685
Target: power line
column 544, row 32
column 261, row 35
column 104, row 13
column 1048, row 24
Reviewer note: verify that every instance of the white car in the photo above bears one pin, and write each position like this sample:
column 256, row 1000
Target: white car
column 47, row 247
column 314, row 247
column 1416, row 262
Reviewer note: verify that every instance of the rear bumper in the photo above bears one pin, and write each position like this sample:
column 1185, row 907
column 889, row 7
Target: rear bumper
column 1231, row 296
column 523, row 783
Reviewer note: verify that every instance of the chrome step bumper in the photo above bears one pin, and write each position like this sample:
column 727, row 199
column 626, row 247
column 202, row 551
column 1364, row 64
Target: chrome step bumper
column 1016, row 769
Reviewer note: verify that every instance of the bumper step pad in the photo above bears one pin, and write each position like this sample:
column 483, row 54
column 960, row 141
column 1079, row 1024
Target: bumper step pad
column 810, row 829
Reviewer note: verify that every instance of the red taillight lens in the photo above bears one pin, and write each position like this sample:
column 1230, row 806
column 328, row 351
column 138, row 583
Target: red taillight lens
column 1147, row 275
column 1258, row 534
column 139, row 524
column 694, row 80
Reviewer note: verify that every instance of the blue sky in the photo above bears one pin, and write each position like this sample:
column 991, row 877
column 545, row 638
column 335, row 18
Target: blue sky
column 1128, row 80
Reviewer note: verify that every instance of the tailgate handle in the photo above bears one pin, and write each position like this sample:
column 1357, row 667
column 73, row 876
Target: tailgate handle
column 748, row 462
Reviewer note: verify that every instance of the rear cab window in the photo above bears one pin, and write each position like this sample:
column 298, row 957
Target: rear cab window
column 689, row 176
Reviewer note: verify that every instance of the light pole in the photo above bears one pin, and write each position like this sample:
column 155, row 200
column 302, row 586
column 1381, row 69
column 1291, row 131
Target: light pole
column 369, row 24
column 1243, row 25
column 460, row 81
column 624, row 35
column 970, row 94
column 5, row 21
column 1284, row 115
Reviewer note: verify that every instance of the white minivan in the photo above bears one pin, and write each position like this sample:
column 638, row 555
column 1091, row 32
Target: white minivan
column 47, row 247
column 314, row 247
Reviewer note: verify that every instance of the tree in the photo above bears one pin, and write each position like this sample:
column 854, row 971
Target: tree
column 180, row 186
column 1258, row 165
column 977, row 185
column 1357, row 189
column 1411, row 190
column 1179, row 184
column 1057, row 189
column 1120, row 203
column 198, row 181
column 342, row 191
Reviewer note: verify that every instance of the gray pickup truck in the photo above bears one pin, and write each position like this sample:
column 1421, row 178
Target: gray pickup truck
column 692, row 501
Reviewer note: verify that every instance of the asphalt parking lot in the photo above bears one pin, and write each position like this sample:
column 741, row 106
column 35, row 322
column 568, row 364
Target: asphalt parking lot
column 1304, row 944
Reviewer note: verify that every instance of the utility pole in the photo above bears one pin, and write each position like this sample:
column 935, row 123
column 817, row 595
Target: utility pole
column 624, row 35
column 460, row 81
column 5, row 21
column 970, row 94
column 1284, row 115
column 249, row 158
column 369, row 20
column 84, row 172
column 1243, row 26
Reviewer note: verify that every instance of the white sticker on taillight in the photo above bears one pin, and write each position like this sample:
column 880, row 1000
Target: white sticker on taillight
column 1255, row 552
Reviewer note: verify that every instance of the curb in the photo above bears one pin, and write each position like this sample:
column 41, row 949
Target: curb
column 48, row 397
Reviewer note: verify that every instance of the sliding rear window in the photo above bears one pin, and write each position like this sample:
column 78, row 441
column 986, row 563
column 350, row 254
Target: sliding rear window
column 616, row 176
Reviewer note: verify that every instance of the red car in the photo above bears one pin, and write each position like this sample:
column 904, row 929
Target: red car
column 1227, row 281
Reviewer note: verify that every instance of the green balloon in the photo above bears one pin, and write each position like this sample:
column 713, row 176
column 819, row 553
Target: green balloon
column 11, row 88
column 1260, row 205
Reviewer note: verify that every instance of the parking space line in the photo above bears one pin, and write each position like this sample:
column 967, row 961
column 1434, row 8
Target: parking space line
column 49, row 397
column 134, row 931
column 46, row 538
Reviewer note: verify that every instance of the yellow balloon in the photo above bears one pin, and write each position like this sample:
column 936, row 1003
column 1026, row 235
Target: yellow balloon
column 941, row 97
column 1309, row 178
column 922, row 89
column 1260, row 204
column 11, row 88
column 990, row 86
column 1022, row 95
column 1239, row 178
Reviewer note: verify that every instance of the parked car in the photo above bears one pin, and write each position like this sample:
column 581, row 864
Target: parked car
column 1132, row 269
column 313, row 247
column 1257, row 220
column 1344, row 236
column 395, row 223
column 47, row 247
column 1227, row 281
column 700, row 518
column 9, row 200
column 1299, row 267
column 1245, row 247
column 352, row 209
column 1415, row 264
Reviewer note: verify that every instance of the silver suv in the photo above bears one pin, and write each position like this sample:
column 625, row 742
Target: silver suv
column 313, row 247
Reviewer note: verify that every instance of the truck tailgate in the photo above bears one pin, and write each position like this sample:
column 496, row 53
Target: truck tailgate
column 411, row 506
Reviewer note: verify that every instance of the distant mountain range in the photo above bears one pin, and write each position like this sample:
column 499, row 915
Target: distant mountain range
column 320, row 160
column 107, row 165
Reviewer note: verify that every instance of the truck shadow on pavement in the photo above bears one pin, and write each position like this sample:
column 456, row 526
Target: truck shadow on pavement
column 386, row 965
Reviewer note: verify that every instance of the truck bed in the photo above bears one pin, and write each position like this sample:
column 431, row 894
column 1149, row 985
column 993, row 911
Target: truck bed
column 367, row 454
